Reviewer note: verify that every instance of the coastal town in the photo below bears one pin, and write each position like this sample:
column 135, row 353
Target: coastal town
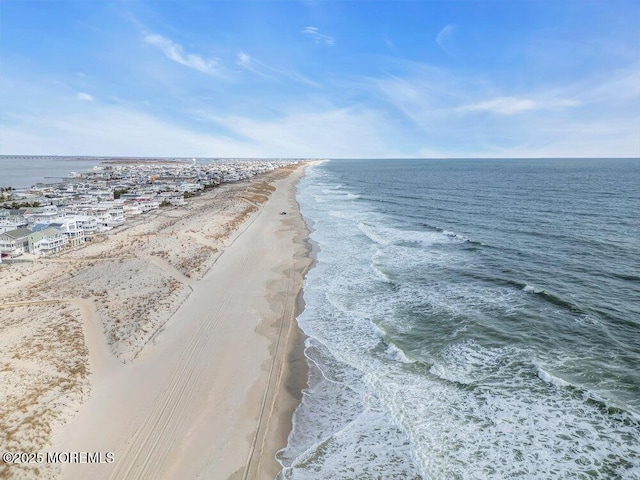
column 50, row 217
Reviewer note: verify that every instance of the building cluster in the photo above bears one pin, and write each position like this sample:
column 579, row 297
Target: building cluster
column 83, row 204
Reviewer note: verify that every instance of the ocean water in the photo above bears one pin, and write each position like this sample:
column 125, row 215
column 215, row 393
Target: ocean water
column 471, row 319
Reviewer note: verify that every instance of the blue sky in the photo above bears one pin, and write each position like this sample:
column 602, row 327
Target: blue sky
column 329, row 79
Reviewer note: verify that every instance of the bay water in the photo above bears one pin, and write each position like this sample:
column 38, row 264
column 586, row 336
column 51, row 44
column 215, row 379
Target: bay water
column 24, row 171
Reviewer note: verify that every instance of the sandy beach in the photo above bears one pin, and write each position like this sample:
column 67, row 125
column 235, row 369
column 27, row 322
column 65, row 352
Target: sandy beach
column 166, row 345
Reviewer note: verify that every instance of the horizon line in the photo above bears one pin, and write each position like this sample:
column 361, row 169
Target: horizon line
column 189, row 157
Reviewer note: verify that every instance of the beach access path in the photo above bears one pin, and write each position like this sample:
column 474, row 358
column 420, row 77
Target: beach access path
column 206, row 398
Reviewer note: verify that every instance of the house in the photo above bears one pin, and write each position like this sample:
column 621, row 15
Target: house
column 47, row 241
column 100, row 194
column 148, row 203
column 171, row 197
column 12, row 220
column 190, row 187
column 88, row 224
column 72, row 228
column 109, row 215
column 46, row 214
column 132, row 208
column 15, row 242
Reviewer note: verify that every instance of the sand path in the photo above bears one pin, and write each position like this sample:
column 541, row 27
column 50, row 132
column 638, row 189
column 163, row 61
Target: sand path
column 101, row 358
column 197, row 401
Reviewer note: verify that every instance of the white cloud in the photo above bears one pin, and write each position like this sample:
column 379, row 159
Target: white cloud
column 444, row 37
column 175, row 52
column 252, row 65
column 313, row 130
column 244, row 60
column 514, row 105
column 603, row 138
column 421, row 92
column 116, row 131
column 592, row 117
column 317, row 37
column 320, row 130
column 335, row 132
column 85, row 97
column 418, row 111
column 298, row 77
column 618, row 86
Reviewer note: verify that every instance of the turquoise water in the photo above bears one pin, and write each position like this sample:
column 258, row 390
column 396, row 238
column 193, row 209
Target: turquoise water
column 471, row 319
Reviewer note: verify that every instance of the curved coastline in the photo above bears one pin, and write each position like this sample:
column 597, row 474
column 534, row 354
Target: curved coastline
column 297, row 368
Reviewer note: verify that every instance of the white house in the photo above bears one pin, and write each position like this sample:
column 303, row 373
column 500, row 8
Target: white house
column 172, row 197
column 15, row 242
column 46, row 214
column 88, row 223
column 109, row 215
column 132, row 208
column 11, row 220
column 147, row 204
column 190, row 187
column 47, row 241
column 72, row 228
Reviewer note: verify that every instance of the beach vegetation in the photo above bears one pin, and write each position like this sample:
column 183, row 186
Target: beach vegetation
column 17, row 205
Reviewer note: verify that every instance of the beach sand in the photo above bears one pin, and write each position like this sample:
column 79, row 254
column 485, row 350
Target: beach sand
column 172, row 344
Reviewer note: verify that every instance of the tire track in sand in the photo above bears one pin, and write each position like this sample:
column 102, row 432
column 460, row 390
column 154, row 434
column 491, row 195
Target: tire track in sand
column 151, row 445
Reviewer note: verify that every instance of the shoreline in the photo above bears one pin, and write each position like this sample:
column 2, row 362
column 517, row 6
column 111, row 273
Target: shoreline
column 294, row 373
column 207, row 393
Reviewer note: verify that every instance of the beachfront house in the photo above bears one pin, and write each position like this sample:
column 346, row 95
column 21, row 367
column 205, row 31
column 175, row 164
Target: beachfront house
column 71, row 228
column 132, row 208
column 190, row 187
column 171, row 197
column 149, row 203
column 15, row 242
column 109, row 215
column 47, row 241
column 87, row 223
column 230, row 177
